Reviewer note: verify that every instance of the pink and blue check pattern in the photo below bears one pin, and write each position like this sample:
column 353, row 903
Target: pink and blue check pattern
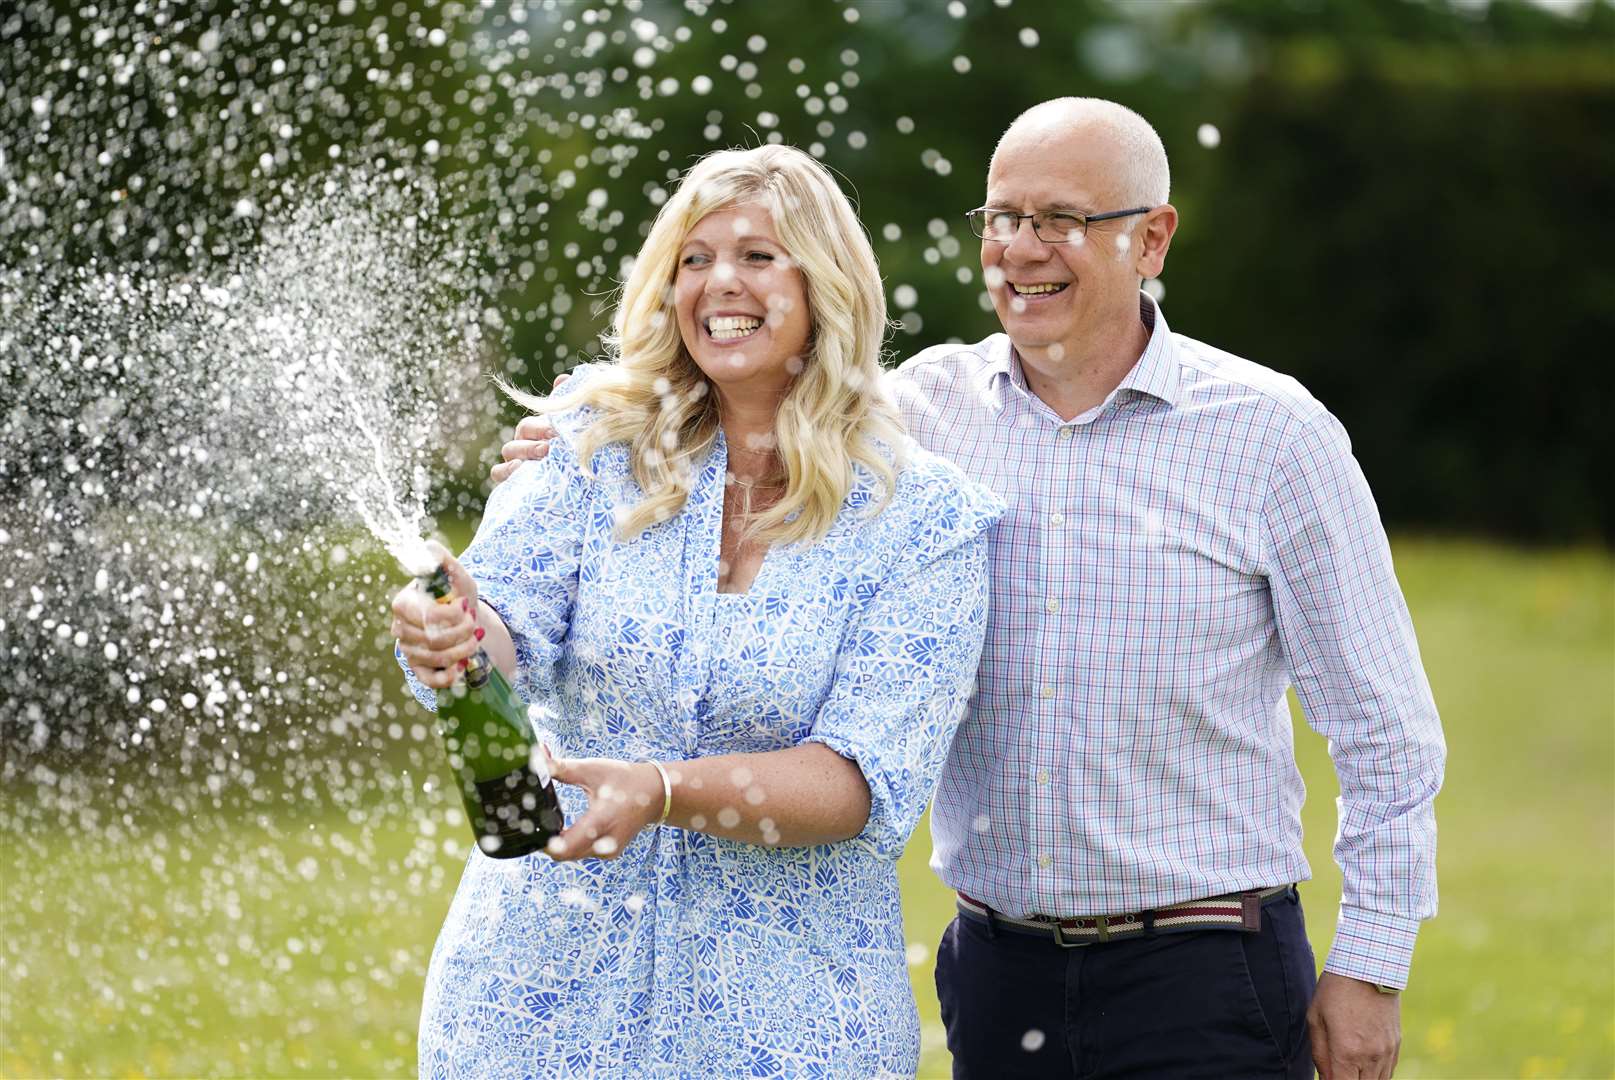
column 1172, row 562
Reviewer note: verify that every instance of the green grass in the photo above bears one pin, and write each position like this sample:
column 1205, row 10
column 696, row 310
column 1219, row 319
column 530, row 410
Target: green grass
column 290, row 945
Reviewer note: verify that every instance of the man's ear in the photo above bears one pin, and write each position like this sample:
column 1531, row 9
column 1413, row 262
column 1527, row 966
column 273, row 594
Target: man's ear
column 1153, row 238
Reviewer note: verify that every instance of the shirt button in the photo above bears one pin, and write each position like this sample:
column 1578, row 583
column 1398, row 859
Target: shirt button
column 1065, row 433
column 1053, row 606
column 1045, row 861
column 1056, row 519
column 1043, row 776
column 1048, row 692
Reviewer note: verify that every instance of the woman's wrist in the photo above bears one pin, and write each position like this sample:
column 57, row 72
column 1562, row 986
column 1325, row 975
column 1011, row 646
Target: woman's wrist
column 665, row 783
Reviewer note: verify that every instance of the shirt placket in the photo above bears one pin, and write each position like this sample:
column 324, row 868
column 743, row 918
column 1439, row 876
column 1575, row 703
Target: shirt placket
column 1041, row 769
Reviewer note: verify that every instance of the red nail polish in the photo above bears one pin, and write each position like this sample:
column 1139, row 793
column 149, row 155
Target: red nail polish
column 481, row 633
column 464, row 664
column 465, row 605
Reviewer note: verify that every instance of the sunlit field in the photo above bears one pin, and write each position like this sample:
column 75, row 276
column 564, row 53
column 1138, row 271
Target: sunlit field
column 273, row 944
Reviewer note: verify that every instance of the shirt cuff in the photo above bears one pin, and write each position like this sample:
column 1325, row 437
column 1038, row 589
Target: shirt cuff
column 423, row 693
column 1372, row 947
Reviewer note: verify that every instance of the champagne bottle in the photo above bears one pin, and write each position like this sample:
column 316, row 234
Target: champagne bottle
column 511, row 805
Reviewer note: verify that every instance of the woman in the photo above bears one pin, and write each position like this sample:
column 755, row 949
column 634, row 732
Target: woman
column 752, row 612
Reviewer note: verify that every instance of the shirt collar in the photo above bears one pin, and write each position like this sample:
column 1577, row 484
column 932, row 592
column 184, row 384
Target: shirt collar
column 1155, row 373
column 996, row 373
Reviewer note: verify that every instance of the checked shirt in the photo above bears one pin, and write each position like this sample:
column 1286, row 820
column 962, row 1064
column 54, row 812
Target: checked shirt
column 1172, row 562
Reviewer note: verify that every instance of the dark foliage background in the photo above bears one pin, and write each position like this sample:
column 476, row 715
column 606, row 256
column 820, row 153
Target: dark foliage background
column 1408, row 207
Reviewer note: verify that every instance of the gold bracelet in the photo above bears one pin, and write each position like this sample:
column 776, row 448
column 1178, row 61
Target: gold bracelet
column 667, row 791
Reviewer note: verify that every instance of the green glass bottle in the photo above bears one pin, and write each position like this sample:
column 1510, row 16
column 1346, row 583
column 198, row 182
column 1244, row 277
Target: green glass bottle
column 511, row 806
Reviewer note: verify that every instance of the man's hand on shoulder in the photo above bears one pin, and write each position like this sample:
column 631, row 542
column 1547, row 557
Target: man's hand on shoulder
column 1356, row 1029
column 530, row 443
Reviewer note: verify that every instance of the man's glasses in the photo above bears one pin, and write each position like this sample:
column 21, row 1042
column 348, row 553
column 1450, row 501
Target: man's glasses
column 1050, row 226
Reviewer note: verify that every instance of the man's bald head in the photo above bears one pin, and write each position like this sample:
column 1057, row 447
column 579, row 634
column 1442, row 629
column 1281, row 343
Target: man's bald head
column 1071, row 302
column 1144, row 180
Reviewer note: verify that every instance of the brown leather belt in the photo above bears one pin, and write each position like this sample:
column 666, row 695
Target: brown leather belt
column 1235, row 911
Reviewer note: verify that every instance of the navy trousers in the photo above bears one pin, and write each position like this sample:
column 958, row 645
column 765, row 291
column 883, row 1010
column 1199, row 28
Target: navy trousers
column 1208, row 1003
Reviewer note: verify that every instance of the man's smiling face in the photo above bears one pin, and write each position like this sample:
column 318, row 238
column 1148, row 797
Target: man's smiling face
column 1060, row 294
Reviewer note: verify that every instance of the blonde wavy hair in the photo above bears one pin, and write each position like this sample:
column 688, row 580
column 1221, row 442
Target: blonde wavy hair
column 653, row 397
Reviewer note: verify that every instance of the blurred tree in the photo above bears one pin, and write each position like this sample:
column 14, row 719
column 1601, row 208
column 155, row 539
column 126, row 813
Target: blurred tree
column 1403, row 203
column 1409, row 227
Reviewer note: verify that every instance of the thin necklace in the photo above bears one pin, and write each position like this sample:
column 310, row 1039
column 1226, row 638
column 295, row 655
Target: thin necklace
column 749, row 485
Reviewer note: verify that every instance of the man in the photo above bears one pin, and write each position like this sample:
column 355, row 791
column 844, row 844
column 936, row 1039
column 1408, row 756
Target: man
column 1188, row 536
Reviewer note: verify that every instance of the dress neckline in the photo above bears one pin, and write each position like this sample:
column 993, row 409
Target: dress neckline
column 718, row 470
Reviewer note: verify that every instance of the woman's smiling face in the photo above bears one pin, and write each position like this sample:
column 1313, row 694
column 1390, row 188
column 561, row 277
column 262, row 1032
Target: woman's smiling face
column 741, row 302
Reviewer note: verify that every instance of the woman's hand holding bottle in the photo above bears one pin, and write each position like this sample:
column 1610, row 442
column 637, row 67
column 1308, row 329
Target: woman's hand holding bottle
column 438, row 639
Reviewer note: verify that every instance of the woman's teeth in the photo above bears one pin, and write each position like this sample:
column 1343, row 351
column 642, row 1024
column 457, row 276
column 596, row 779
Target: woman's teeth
column 732, row 327
column 1037, row 290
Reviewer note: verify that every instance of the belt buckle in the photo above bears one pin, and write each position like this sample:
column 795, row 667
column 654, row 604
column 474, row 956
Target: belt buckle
column 1061, row 940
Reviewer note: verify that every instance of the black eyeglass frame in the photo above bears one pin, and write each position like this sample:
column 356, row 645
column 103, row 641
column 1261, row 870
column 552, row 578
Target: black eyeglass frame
column 1087, row 219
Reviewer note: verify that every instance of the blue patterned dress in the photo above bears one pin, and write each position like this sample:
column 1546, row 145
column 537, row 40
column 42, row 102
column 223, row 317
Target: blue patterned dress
column 693, row 956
